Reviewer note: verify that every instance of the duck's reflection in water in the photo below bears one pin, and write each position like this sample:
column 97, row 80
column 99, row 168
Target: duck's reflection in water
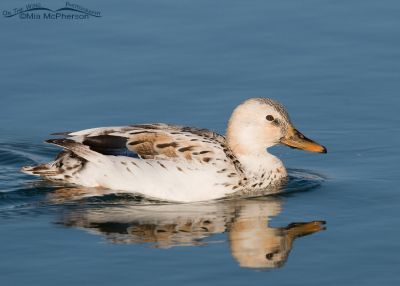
column 253, row 242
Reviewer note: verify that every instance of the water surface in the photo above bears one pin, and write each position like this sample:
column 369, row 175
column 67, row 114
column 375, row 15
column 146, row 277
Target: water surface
column 334, row 65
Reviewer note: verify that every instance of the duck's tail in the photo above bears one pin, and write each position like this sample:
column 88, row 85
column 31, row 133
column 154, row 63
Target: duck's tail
column 44, row 170
column 67, row 163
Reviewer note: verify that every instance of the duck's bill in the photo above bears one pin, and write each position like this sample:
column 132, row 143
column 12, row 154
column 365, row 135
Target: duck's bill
column 295, row 139
column 299, row 229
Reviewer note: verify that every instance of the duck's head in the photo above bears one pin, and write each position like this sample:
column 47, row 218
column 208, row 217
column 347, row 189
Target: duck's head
column 259, row 123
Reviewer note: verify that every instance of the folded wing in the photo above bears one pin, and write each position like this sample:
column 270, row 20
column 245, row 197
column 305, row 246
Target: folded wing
column 161, row 142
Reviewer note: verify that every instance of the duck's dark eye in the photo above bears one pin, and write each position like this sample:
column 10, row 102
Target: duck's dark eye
column 269, row 256
column 269, row 117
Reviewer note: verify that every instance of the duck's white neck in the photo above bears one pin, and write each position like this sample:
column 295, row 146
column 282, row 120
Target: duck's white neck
column 252, row 155
column 261, row 163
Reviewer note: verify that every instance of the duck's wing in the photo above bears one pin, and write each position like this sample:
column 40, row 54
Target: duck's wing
column 160, row 142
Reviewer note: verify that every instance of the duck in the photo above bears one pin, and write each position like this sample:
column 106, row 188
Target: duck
column 181, row 164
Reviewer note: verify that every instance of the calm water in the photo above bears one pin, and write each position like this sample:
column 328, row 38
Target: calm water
column 334, row 64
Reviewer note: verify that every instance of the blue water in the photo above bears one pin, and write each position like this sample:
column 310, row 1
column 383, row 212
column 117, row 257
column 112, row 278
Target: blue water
column 335, row 65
